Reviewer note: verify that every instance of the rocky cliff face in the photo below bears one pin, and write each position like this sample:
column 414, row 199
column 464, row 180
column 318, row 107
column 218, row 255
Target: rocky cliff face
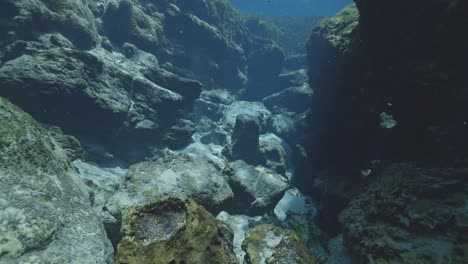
column 390, row 90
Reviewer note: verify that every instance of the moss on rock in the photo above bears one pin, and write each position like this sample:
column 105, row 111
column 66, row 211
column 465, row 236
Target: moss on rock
column 172, row 230
column 45, row 215
column 271, row 244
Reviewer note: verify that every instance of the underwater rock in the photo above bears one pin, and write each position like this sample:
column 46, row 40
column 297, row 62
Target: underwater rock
column 265, row 64
column 339, row 253
column 219, row 96
column 284, row 125
column 172, row 230
column 127, row 21
column 240, row 224
column 208, row 109
column 180, row 174
column 293, row 78
column 97, row 94
column 276, row 153
column 44, row 211
column 188, row 88
column 299, row 213
column 214, row 137
column 74, row 19
column 295, row 62
column 179, row 135
column 101, row 182
column 410, row 213
column 69, row 144
column 256, row 189
column 295, row 99
column 208, row 46
column 256, row 109
column 272, row 244
column 211, row 152
column 245, row 139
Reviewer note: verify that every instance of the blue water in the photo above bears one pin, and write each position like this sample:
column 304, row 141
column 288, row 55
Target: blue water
column 291, row 7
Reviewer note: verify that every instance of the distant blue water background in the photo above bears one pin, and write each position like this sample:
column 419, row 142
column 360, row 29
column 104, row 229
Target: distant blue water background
column 291, row 7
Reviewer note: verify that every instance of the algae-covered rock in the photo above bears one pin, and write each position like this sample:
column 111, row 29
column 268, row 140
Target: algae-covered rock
column 74, row 19
column 410, row 215
column 338, row 31
column 181, row 175
column 272, row 244
column 172, row 230
column 127, row 21
column 45, row 215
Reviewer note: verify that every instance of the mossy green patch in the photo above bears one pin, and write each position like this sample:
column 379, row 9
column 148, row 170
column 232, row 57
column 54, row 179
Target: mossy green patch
column 172, row 230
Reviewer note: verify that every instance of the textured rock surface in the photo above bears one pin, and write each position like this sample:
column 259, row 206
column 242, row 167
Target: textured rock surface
column 101, row 182
column 181, row 175
column 271, row 244
column 172, row 230
column 240, row 224
column 256, row 109
column 276, row 152
column 256, row 189
column 74, row 19
column 409, row 214
column 45, row 212
column 295, row 99
column 245, row 140
column 109, row 96
column 298, row 212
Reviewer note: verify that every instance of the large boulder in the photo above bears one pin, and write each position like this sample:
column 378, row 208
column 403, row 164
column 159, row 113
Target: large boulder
column 295, row 99
column 45, row 214
column 181, row 175
column 271, row 244
column 299, row 212
column 101, row 182
column 74, row 19
column 245, row 140
column 256, row 189
column 172, row 230
column 410, row 214
column 257, row 109
column 240, row 224
column 127, row 21
column 265, row 64
column 276, row 154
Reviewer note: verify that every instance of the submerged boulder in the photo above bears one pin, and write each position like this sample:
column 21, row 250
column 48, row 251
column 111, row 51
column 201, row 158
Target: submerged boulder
column 101, row 182
column 256, row 189
column 240, row 224
column 45, row 215
column 127, row 21
column 276, row 153
column 172, row 230
column 181, row 175
column 271, row 244
column 295, row 99
column 74, row 19
column 256, row 109
column 410, row 214
column 245, row 140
